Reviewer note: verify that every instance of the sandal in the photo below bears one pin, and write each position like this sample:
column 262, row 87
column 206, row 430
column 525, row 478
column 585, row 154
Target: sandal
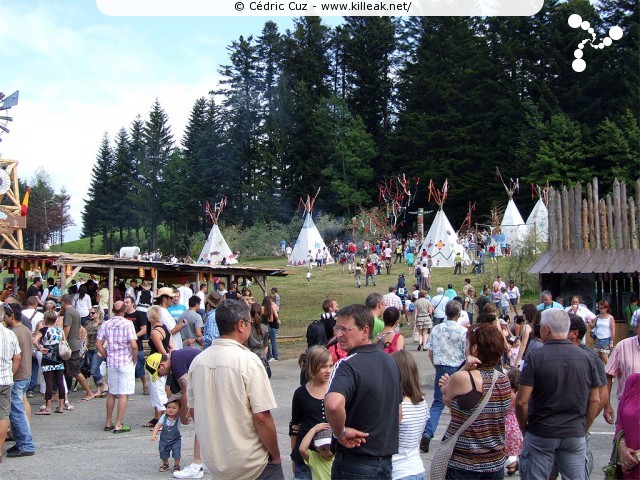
column 59, row 410
column 122, row 429
column 164, row 467
column 512, row 469
column 109, row 428
column 44, row 412
column 69, row 407
column 104, row 394
column 176, row 468
column 151, row 423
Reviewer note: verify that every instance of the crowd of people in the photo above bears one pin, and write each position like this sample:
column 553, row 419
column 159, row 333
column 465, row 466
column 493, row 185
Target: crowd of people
column 496, row 369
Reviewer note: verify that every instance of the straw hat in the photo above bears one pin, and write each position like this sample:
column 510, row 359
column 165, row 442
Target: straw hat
column 146, row 285
column 168, row 291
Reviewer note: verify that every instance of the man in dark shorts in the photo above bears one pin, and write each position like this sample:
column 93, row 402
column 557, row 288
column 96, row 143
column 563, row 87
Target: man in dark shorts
column 366, row 432
column 139, row 320
column 72, row 334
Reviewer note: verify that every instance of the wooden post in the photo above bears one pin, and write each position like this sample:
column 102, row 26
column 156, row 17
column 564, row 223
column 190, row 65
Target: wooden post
column 610, row 225
column 553, row 228
column 596, row 203
column 633, row 226
column 602, row 209
column 577, row 213
column 617, row 214
column 624, row 218
column 585, row 223
column 111, row 280
column 592, row 212
column 638, row 200
column 566, row 230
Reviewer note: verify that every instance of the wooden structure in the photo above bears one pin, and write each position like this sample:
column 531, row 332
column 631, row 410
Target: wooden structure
column 111, row 268
column 12, row 218
column 593, row 246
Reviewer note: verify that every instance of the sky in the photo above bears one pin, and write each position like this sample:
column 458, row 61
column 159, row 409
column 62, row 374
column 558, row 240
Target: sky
column 81, row 74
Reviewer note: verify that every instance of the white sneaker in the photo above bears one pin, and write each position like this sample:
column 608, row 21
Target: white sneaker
column 192, row 471
column 272, row 359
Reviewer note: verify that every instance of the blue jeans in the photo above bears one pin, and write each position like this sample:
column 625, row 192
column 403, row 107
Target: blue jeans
column 273, row 344
column 420, row 476
column 540, row 453
column 438, row 405
column 140, row 364
column 34, row 374
column 18, row 417
column 301, row 471
column 95, row 361
column 370, row 276
column 350, row 466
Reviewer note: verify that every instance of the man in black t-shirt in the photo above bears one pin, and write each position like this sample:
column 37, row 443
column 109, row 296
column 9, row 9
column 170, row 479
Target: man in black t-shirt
column 556, row 420
column 139, row 320
column 368, row 381
column 34, row 290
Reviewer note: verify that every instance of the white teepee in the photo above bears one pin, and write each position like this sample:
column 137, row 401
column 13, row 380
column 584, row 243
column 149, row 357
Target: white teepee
column 512, row 225
column 538, row 221
column 309, row 239
column 441, row 243
column 216, row 248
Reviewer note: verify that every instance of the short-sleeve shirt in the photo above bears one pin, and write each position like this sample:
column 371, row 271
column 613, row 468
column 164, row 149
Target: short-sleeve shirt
column 320, row 466
column 439, row 302
column 9, row 347
column 72, row 320
column 23, row 334
column 599, row 364
column 170, row 322
column 352, row 378
column 623, row 361
column 118, row 333
column 229, row 378
column 33, row 291
column 448, row 341
column 181, row 361
column 139, row 320
column 559, row 412
column 194, row 320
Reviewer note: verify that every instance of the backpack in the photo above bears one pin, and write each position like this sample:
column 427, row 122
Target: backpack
column 316, row 334
column 389, row 347
column 418, row 272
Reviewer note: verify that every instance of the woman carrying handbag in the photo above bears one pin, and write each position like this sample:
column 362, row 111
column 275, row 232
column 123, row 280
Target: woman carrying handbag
column 479, row 397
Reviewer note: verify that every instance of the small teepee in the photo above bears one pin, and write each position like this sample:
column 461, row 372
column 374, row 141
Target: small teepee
column 441, row 243
column 538, row 220
column 309, row 238
column 512, row 226
column 215, row 250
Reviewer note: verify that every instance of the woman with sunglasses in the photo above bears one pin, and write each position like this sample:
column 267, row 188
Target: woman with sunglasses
column 92, row 357
column 604, row 326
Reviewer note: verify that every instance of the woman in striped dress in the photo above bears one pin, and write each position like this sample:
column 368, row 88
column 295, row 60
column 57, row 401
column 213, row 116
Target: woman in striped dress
column 415, row 413
column 479, row 452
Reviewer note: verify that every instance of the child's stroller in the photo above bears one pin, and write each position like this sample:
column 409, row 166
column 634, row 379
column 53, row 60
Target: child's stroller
column 477, row 269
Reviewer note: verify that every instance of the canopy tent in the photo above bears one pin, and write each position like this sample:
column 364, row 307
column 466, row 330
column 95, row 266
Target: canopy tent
column 538, row 221
column 309, row 240
column 215, row 250
column 441, row 243
column 512, row 225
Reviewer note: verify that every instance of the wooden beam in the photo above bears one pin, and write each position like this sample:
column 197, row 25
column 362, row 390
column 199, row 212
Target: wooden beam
column 111, row 280
column 76, row 270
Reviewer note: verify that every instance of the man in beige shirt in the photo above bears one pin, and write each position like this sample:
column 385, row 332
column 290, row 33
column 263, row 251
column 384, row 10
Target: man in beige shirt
column 231, row 398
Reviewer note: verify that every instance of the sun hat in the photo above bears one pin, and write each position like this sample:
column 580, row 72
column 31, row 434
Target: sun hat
column 214, row 298
column 168, row 291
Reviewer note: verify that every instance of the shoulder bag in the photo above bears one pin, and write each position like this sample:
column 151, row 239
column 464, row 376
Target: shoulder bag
column 442, row 455
column 64, row 350
column 613, row 470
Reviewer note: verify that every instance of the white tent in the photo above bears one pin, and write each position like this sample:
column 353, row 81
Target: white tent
column 512, row 225
column 215, row 249
column 538, row 221
column 308, row 239
column 441, row 243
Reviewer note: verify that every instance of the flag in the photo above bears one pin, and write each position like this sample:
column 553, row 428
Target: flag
column 24, row 208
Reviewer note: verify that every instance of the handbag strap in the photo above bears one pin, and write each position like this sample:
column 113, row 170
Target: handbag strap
column 615, row 456
column 478, row 410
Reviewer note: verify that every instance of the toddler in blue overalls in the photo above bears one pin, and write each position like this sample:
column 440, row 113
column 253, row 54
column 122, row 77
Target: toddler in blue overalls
column 170, row 438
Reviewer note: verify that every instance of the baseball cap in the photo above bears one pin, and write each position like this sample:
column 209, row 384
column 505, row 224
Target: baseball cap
column 153, row 362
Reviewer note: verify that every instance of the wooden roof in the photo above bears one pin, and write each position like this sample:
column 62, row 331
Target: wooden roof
column 588, row 261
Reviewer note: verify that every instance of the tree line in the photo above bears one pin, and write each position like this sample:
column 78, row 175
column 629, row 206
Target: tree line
column 343, row 108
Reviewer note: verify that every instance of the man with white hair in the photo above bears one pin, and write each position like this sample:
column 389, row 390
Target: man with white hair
column 439, row 302
column 555, row 420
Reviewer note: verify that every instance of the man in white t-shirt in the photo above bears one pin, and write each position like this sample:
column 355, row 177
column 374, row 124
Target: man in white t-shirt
column 185, row 293
column 34, row 316
column 164, row 299
column 131, row 289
